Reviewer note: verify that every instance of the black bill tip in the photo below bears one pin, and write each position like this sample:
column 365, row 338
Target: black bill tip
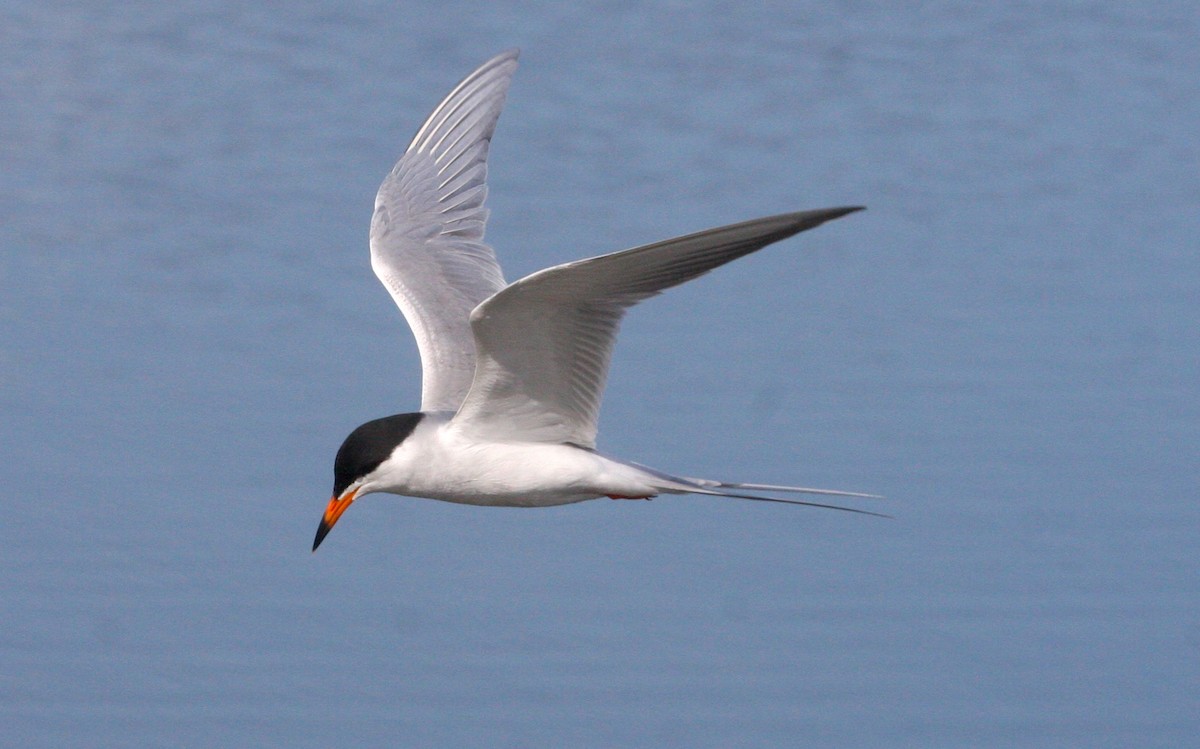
column 322, row 531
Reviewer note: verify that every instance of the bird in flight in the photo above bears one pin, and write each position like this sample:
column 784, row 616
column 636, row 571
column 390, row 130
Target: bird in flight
column 513, row 374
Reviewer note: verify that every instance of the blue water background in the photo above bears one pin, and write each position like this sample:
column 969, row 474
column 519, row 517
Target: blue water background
column 1005, row 344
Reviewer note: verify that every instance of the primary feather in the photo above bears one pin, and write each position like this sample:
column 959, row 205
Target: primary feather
column 544, row 343
column 427, row 231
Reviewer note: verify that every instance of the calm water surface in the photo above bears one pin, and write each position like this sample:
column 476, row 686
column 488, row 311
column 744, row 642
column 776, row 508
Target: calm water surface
column 1005, row 345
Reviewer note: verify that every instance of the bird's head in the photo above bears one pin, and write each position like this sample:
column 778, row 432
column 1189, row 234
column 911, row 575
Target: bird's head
column 358, row 459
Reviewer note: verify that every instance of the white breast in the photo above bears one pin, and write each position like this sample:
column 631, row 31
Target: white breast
column 438, row 461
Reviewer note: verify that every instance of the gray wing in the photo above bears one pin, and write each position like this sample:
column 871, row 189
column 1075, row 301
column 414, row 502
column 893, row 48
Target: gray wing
column 427, row 232
column 544, row 343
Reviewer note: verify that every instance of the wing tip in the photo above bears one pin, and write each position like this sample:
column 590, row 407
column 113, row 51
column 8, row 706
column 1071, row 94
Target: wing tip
column 490, row 79
column 814, row 218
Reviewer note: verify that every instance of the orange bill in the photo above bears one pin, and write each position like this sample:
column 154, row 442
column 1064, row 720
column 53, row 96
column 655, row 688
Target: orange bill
column 333, row 511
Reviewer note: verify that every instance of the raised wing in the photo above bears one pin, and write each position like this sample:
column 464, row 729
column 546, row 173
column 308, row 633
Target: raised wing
column 427, row 232
column 544, row 343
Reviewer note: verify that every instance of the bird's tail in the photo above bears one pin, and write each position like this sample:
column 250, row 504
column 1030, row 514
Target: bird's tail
column 669, row 484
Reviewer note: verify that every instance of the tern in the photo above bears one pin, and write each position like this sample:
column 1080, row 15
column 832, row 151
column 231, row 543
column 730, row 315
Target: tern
column 512, row 374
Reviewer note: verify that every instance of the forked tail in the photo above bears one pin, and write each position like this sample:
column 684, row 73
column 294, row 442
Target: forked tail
column 669, row 484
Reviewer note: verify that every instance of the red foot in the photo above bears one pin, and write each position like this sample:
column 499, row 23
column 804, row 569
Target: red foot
column 626, row 496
